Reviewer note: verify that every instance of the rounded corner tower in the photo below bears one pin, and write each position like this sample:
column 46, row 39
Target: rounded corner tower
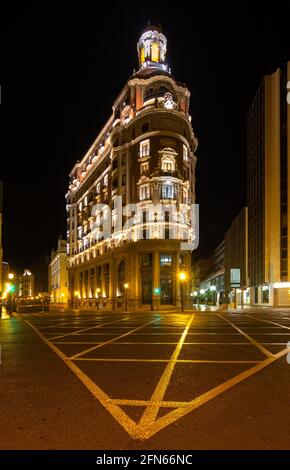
column 143, row 164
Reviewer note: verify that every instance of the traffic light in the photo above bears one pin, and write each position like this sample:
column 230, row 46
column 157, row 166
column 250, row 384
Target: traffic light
column 10, row 287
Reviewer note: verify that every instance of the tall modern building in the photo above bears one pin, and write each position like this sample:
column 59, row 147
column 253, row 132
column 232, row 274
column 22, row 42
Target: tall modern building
column 129, row 200
column 269, row 191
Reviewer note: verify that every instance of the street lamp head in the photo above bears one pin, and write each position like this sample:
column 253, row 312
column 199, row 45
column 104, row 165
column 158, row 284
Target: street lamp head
column 182, row 276
column 76, row 293
column 10, row 276
column 62, row 295
column 126, row 285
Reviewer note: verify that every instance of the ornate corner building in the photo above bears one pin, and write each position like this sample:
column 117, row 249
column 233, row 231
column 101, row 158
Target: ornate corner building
column 129, row 198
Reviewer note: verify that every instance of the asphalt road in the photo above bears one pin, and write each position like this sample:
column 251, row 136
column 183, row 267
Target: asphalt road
column 203, row 380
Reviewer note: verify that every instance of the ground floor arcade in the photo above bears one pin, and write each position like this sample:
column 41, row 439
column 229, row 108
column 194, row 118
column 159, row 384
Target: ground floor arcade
column 144, row 273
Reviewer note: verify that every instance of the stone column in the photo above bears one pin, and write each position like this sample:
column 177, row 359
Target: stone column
column 175, row 277
column 112, row 283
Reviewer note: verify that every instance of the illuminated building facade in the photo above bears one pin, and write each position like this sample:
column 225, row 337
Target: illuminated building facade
column 25, row 284
column 58, row 273
column 269, row 191
column 142, row 166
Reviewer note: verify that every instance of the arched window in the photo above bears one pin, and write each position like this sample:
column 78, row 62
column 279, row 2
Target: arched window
column 121, row 276
column 155, row 52
column 159, row 92
column 163, row 89
column 142, row 55
column 149, row 94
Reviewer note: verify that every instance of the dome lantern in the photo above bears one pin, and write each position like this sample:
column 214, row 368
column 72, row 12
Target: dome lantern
column 152, row 48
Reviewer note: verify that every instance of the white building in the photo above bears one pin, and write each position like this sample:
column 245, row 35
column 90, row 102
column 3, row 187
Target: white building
column 58, row 273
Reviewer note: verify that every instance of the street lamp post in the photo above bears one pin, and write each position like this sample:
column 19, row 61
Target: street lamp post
column 126, row 286
column 76, row 299
column 62, row 296
column 182, row 278
column 98, row 298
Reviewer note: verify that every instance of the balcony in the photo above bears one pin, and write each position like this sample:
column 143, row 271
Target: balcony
column 143, row 155
column 169, row 173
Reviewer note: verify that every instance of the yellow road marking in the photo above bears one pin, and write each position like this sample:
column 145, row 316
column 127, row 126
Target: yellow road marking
column 159, row 343
column 272, row 322
column 112, row 340
column 173, row 416
column 187, row 361
column 151, row 411
column 127, row 423
column 84, row 329
column 249, row 338
column 139, row 431
column 161, row 404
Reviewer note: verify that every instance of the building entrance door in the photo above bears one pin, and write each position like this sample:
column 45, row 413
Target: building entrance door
column 166, row 288
column 146, row 281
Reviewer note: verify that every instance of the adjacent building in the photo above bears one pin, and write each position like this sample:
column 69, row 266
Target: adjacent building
column 236, row 260
column 58, row 273
column 129, row 217
column 268, row 130
column 212, row 286
column 24, row 284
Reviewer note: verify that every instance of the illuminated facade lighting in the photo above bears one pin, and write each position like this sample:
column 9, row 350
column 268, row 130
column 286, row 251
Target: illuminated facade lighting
column 281, row 285
column 144, row 157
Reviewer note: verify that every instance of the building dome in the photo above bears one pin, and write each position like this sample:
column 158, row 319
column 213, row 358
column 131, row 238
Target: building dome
column 152, row 48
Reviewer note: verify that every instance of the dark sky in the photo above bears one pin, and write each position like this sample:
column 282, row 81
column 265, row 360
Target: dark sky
column 61, row 71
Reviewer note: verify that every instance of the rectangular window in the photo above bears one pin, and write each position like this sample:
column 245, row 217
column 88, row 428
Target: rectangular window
column 167, row 191
column 145, row 192
column 185, row 153
column 106, row 179
column 167, row 166
column 124, row 179
column 144, row 148
column 98, row 188
column 144, row 168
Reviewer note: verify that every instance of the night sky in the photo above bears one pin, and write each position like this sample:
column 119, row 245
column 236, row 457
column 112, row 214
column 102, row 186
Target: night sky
column 62, row 70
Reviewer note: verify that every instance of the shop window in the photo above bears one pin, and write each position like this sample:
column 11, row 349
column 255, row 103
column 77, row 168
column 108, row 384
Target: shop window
column 165, row 259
